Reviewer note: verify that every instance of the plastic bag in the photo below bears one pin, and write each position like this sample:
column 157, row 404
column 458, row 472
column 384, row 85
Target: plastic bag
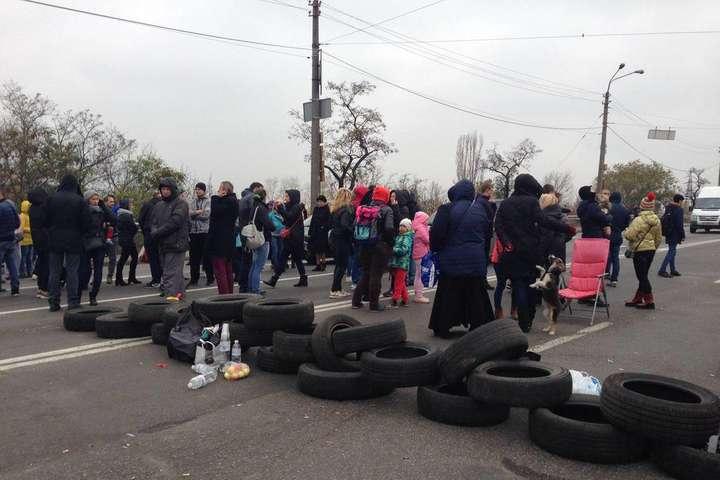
column 585, row 384
column 184, row 336
column 429, row 270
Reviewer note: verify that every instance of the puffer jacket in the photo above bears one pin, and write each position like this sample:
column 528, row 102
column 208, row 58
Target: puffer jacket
column 100, row 216
column 645, row 232
column 170, row 220
column 421, row 243
column 39, row 232
column 25, row 224
column 553, row 242
column 402, row 250
column 67, row 217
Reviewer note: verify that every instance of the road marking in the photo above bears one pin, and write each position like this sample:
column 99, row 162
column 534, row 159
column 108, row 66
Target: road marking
column 569, row 338
column 79, row 348
column 717, row 281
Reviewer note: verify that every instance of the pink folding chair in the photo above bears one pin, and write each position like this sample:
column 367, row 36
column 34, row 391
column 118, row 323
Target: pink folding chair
column 587, row 272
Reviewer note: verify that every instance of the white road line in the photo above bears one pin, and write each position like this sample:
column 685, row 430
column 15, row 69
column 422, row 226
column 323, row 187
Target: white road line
column 717, row 281
column 79, row 348
column 569, row 338
column 68, row 356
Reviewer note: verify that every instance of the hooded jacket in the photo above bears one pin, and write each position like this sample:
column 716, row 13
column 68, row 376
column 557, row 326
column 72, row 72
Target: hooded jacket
column 245, row 204
column 677, row 227
column 25, row 224
column 67, row 217
column 221, row 233
column 200, row 222
column 402, row 249
column 518, row 225
column 386, row 220
column 9, row 221
column 126, row 228
column 421, row 244
column 293, row 214
column 145, row 218
column 170, row 220
column 262, row 219
column 100, row 217
column 459, row 232
column 644, row 233
column 37, row 198
column 592, row 218
column 620, row 218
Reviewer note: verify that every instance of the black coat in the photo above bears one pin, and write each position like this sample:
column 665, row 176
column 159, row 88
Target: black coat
column 293, row 214
column 100, row 217
column 592, row 219
column 518, row 226
column 677, row 227
column 38, row 230
column 553, row 242
column 620, row 218
column 145, row 218
column 262, row 218
column 221, row 234
column 67, row 217
column 343, row 224
column 319, row 230
column 126, row 228
column 171, row 221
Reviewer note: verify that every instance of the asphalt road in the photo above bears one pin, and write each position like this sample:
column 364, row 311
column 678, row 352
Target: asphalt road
column 75, row 406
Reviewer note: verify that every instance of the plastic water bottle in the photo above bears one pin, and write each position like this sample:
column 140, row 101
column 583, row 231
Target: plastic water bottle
column 199, row 353
column 585, row 384
column 224, row 345
column 236, row 354
column 200, row 381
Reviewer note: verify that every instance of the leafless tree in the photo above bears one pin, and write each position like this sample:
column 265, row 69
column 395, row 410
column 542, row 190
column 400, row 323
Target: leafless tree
column 508, row 165
column 469, row 164
column 563, row 183
column 695, row 181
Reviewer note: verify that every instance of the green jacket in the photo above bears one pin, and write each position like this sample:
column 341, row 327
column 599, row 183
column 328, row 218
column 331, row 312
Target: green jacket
column 402, row 250
column 644, row 233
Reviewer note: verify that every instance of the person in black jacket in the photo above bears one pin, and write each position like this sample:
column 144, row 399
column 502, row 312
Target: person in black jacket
column 94, row 245
column 126, row 229
column 594, row 223
column 220, row 243
column 674, row 235
column 552, row 242
column 263, row 224
column 293, row 213
column 620, row 221
column 487, row 190
column 39, row 233
column 151, row 248
column 343, row 216
column 320, row 224
column 243, row 261
column 67, row 217
column 518, row 226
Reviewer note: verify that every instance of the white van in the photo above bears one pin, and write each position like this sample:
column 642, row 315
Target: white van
column 706, row 210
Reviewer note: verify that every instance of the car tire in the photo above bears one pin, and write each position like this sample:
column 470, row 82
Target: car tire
column 367, row 337
column 278, row 314
column 686, row 463
column 323, row 348
column 83, row 319
column 496, row 340
column 661, row 408
column 267, row 361
column 118, row 325
column 225, row 308
column 525, row 384
column 407, row 364
column 578, row 430
column 147, row 312
column 172, row 314
column 159, row 334
column 451, row 404
column 294, row 346
column 320, row 383
column 249, row 338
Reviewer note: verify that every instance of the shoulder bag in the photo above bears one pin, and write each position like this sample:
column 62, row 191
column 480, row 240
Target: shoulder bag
column 253, row 237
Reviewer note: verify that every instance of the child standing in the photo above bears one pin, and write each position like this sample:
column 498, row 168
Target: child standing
column 400, row 262
column 421, row 246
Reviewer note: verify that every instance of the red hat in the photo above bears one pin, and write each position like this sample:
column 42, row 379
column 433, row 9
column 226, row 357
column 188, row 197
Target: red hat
column 650, row 196
column 381, row 194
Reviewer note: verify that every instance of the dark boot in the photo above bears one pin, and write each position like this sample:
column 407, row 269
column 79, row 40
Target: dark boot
column 272, row 282
column 302, row 282
column 378, row 307
column 119, row 282
column 648, row 302
column 636, row 300
column 134, row 281
column 93, row 301
column 525, row 319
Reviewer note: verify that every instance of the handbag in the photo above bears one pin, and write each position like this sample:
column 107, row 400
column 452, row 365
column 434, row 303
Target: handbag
column 93, row 243
column 253, row 237
column 630, row 252
column 286, row 231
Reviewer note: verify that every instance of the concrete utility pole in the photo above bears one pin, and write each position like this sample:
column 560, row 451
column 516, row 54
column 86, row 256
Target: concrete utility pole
column 315, row 125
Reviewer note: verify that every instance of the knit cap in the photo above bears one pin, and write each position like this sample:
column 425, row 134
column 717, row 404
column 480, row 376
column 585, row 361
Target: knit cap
column 407, row 223
column 648, row 203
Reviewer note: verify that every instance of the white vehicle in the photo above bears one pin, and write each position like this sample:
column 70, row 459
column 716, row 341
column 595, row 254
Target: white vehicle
column 706, row 210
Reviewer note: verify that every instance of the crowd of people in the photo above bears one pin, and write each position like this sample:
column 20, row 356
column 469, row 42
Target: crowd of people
column 64, row 238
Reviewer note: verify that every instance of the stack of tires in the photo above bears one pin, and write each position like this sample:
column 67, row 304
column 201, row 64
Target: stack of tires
column 137, row 322
column 83, row 319
column 355, row 361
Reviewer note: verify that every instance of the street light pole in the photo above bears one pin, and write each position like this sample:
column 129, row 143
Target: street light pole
column 315, row 122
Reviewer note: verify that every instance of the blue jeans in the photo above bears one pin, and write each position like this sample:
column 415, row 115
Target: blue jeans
column 276, row 251
column 356, row 269
column 613, row 264
column 26, row 260
column 669, row 258
column 7, row 255
column 259, row 257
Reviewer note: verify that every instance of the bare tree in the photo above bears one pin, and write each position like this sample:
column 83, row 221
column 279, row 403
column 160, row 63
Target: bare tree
column 354, row 142
column 508, row 165
column 695, row 181
column 468, row 158
column 563, row 183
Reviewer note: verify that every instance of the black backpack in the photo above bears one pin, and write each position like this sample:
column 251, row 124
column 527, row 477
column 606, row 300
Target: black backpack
column 666, row 222
column 184, row 336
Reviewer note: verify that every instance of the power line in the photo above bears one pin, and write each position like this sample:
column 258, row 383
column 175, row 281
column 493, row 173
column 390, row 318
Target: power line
column 448, row 104
column 622, row 139
column 362, row 29
column 540, row 37
column 283, row 4
column 166, row 28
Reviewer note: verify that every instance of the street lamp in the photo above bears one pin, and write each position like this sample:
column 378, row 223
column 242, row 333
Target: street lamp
column 603, row 140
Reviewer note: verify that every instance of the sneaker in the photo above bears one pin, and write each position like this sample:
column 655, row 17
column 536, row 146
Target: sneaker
column 15, row 293
column 675, row 273
column 393, row 304
column 42, row 294
column 664, row 274
column 152, row 284
column 343, row 294
column 334, row 294
column 353, row 286
column 613, row 283
column 404, row 304
column 174, row 298
column 421, row 300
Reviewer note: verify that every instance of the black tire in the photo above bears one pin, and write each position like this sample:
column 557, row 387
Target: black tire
column 267, row 361
column 83, row 319
column 337, row 385
column 661, row 408
column 295, row 346
column 687, row 463
column 248, row 338
column 147, row 312
column 693, row 229
column 407, row 364
column 578, row 430
column 172, row 314
column 278, row 314
column 159, row 334
column 367, row 337
column 225, row 308
column 452, row 405
column 520, row 383
column 322, row 345
column 496, row 340
column 118, row 325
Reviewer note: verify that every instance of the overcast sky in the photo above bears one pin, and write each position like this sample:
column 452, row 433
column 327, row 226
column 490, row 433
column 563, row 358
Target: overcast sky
column 219, row 108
